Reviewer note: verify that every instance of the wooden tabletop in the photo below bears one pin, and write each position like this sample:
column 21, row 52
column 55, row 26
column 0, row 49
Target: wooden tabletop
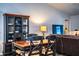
column 21, row 43
column 27, row 43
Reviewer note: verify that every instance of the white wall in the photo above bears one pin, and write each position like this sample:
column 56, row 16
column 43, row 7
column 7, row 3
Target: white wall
column 74, row 20
column 50, row 15
column 1, row 33
column 37, row 12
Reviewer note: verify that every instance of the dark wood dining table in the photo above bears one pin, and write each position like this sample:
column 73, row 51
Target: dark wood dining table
column 25, row 45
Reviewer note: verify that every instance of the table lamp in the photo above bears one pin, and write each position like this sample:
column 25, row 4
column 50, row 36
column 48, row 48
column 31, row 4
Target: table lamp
column 43, row 29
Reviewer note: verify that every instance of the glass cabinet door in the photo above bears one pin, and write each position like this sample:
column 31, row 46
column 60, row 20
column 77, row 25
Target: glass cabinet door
column 24, row 21
column 10, row 20
column 10, row 37
column 10, row 29
column 24, row 29
column 18, row 30
column 18, row 21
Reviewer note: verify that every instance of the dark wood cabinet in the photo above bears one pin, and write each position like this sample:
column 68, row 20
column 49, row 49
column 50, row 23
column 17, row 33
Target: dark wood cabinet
column 16, row 27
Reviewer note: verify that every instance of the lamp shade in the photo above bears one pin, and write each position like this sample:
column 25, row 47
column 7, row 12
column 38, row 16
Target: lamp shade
column 43, row 28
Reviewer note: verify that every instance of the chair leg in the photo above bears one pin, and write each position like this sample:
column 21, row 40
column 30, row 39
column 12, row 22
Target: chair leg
column 54, row 51
column 30, row 53
column 46, row 51
column 40, row 51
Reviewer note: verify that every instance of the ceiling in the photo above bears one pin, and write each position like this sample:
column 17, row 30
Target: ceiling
column 68, row 8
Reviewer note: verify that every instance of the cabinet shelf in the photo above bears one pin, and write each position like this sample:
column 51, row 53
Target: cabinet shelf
column 25, row 32
column 10, row 24
column 11, row 32
column 24, row 25
column 18, row 25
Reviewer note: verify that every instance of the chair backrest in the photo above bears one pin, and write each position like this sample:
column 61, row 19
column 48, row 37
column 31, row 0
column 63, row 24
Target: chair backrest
column 35, row 41
column 32, row 35
column 51, row 37
column 51, row 45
